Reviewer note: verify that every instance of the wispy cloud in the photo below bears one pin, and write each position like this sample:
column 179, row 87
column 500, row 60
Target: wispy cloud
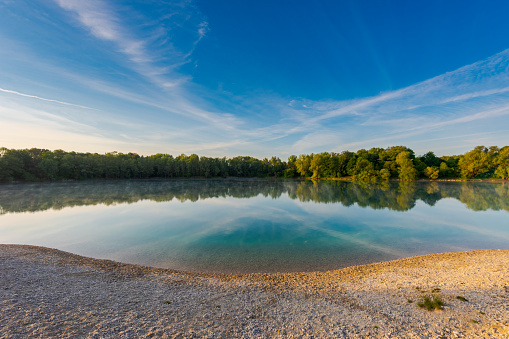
column 468, row 95
column 43, row 99
column 137, row 83
column 202, row 30
column 39, row 128
column 102, row 20
column 174, row 104
column 158, row 63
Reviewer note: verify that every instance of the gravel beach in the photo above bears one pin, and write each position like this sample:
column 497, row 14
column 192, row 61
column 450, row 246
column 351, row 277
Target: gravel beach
column 47, row 293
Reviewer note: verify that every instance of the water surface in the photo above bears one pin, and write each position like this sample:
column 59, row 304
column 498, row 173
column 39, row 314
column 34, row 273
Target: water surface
column 249, row 225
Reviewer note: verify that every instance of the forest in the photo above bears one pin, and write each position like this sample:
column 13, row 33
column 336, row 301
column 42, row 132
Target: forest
column 397, row 162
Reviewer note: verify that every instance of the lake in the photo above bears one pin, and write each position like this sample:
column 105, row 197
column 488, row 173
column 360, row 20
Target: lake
column 255, row 225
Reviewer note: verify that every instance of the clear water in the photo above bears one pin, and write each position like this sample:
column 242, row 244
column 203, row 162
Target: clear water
column 241, row 226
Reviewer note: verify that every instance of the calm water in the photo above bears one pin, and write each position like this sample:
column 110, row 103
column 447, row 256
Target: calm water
column 255, row 225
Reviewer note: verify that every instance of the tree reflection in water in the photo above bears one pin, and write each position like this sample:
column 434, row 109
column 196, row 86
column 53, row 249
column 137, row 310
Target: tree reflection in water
column 398, row 196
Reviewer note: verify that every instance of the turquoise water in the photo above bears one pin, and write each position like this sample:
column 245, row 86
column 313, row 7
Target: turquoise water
column 241, row 226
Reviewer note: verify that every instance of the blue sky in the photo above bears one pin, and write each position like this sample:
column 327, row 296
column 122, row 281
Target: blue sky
column 258, row 78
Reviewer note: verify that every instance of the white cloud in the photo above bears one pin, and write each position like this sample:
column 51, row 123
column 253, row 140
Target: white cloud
column 322, row 139
column 202, row 30
column 190, row 118
column 97, row 17
column 23, row 127
column 39, row 98
column 448, row 103
column 102, row 20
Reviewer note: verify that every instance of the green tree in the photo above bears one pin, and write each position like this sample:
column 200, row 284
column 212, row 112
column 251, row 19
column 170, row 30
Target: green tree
column 406, row 168
column 502, row 163
column 432, row 172
column 49, row 168
column 315, row 165
column 430, row 159
column 385, row 174
column 475, row 162
column 193, row 165
column 377, row 157
column 302, row 164
column 345, row 162
column 364, row 170
column 291, row 168
column 444, row 170
column 291, row 161
column 420, row 167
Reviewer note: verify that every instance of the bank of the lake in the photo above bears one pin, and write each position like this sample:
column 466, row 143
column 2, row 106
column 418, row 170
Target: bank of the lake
column 50, row 293
column 351, row 179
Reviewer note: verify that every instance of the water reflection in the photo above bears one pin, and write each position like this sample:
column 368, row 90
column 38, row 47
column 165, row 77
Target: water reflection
column 397, row 196
column 240, row 226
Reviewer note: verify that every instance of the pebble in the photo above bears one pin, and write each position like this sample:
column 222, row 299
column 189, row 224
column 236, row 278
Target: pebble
column 44, row 291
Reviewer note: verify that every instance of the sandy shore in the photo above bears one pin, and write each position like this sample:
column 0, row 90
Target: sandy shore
column 49, row 293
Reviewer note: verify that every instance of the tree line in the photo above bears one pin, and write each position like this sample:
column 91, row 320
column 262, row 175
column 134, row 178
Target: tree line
column 400, row 162
column 397, row 162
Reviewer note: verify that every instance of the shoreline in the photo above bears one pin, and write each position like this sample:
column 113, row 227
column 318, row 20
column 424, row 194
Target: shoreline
column 50, row 293
column 347, row 179
column 350, row 179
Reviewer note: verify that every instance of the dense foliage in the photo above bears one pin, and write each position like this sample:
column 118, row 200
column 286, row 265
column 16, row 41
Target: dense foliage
column 374, row 164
